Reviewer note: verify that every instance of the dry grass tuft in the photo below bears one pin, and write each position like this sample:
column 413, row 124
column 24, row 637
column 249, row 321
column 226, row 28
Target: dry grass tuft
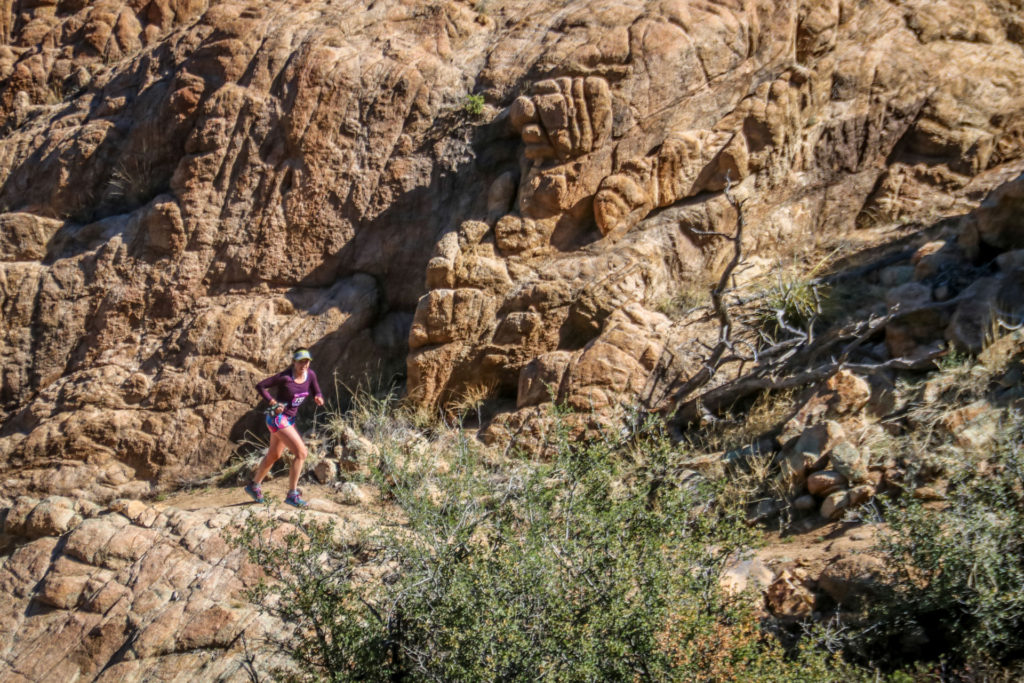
column 470, row 402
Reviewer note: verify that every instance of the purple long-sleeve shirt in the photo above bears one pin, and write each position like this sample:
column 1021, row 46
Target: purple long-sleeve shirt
column 287, row 391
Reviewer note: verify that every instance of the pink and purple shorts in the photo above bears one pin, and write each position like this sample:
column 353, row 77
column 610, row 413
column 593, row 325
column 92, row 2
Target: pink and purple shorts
column 278, row 422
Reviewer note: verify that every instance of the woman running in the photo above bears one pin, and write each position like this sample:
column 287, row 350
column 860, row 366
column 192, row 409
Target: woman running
column 286, row 391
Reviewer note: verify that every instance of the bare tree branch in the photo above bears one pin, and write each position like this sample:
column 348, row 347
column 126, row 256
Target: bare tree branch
column 728, row 394
column 780, row 363
column 721, row 309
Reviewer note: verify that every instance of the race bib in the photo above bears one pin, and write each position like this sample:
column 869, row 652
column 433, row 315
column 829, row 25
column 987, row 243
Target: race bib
column 299, row 398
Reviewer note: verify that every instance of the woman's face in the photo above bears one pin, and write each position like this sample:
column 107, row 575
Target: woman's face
column 300, row 365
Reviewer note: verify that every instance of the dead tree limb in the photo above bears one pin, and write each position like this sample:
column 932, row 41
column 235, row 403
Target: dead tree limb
column 720, row 398
column 719, row 306
column 782, row 364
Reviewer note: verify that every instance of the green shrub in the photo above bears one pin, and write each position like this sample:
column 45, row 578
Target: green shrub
column 474, row 105
column 957, row 573
column 586, row 567
column 789, row 304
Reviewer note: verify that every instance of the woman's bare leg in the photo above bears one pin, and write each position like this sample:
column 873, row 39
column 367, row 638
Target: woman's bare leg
column 292, row 440
column 277, row 445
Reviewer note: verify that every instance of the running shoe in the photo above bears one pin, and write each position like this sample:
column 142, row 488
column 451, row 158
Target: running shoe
column 294, row 498
column 254, row 491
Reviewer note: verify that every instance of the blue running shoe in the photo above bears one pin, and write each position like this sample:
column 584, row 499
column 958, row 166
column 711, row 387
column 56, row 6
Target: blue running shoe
column 294, row 498
column 255, row 491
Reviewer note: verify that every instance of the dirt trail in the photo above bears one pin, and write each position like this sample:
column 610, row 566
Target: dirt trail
column 234, row 496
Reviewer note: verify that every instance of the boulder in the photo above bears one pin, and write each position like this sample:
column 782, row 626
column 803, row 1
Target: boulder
column 895, row 276
column 835, row 504
column 930, row 493
column 849, row 461
column 908, row 296
column 17, row 515
column 62, row 591
column 841, row 397
column 861, row 494
column 975, row 426
column 826, row 482
column 937, row 258
column 351, row 493
column 135, row 511
column 53, row 516
column 763, row 511
column 818, row 440
column 972, row 321
column 996, row 220
column 794, row 468
column 1010, row 260
column 325, row 471
column 789, row 597
column 806, row 454
column 746, row 574
column 805, row 503
column 355, row 447
column 851, row 393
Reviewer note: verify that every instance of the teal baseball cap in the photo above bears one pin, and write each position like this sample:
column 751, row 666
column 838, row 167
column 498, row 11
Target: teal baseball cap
column 302, row 354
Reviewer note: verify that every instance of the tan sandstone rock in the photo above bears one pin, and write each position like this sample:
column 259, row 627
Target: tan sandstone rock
column 116, row 599
column 825, row 483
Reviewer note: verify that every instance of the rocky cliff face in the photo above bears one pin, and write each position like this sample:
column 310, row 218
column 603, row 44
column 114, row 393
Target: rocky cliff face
column 827, row 117
column 190, row 192
column 190, row 189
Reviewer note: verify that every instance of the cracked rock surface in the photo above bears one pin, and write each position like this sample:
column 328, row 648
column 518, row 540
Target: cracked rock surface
column 133, row 592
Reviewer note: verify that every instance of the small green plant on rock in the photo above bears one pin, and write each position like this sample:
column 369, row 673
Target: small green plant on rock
column 685, row 299
column 790, row 303
column 55, row 93
column 474, row 105
column 132, row 180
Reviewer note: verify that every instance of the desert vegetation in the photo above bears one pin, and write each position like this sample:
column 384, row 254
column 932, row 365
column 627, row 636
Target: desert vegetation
column 605, row 561
column 602, row 563
column 600, row 550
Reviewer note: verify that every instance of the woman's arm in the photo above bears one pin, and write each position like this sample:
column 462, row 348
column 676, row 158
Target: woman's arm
column 264, row 387
column 314, row 385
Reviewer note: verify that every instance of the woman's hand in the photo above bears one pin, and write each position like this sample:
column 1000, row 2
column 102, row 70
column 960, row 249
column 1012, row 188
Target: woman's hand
column 318, row 400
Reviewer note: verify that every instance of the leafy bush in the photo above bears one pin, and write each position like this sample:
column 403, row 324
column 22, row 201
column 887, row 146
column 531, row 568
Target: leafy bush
column 957, row 573
column 474, row 105
column 586, row 567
